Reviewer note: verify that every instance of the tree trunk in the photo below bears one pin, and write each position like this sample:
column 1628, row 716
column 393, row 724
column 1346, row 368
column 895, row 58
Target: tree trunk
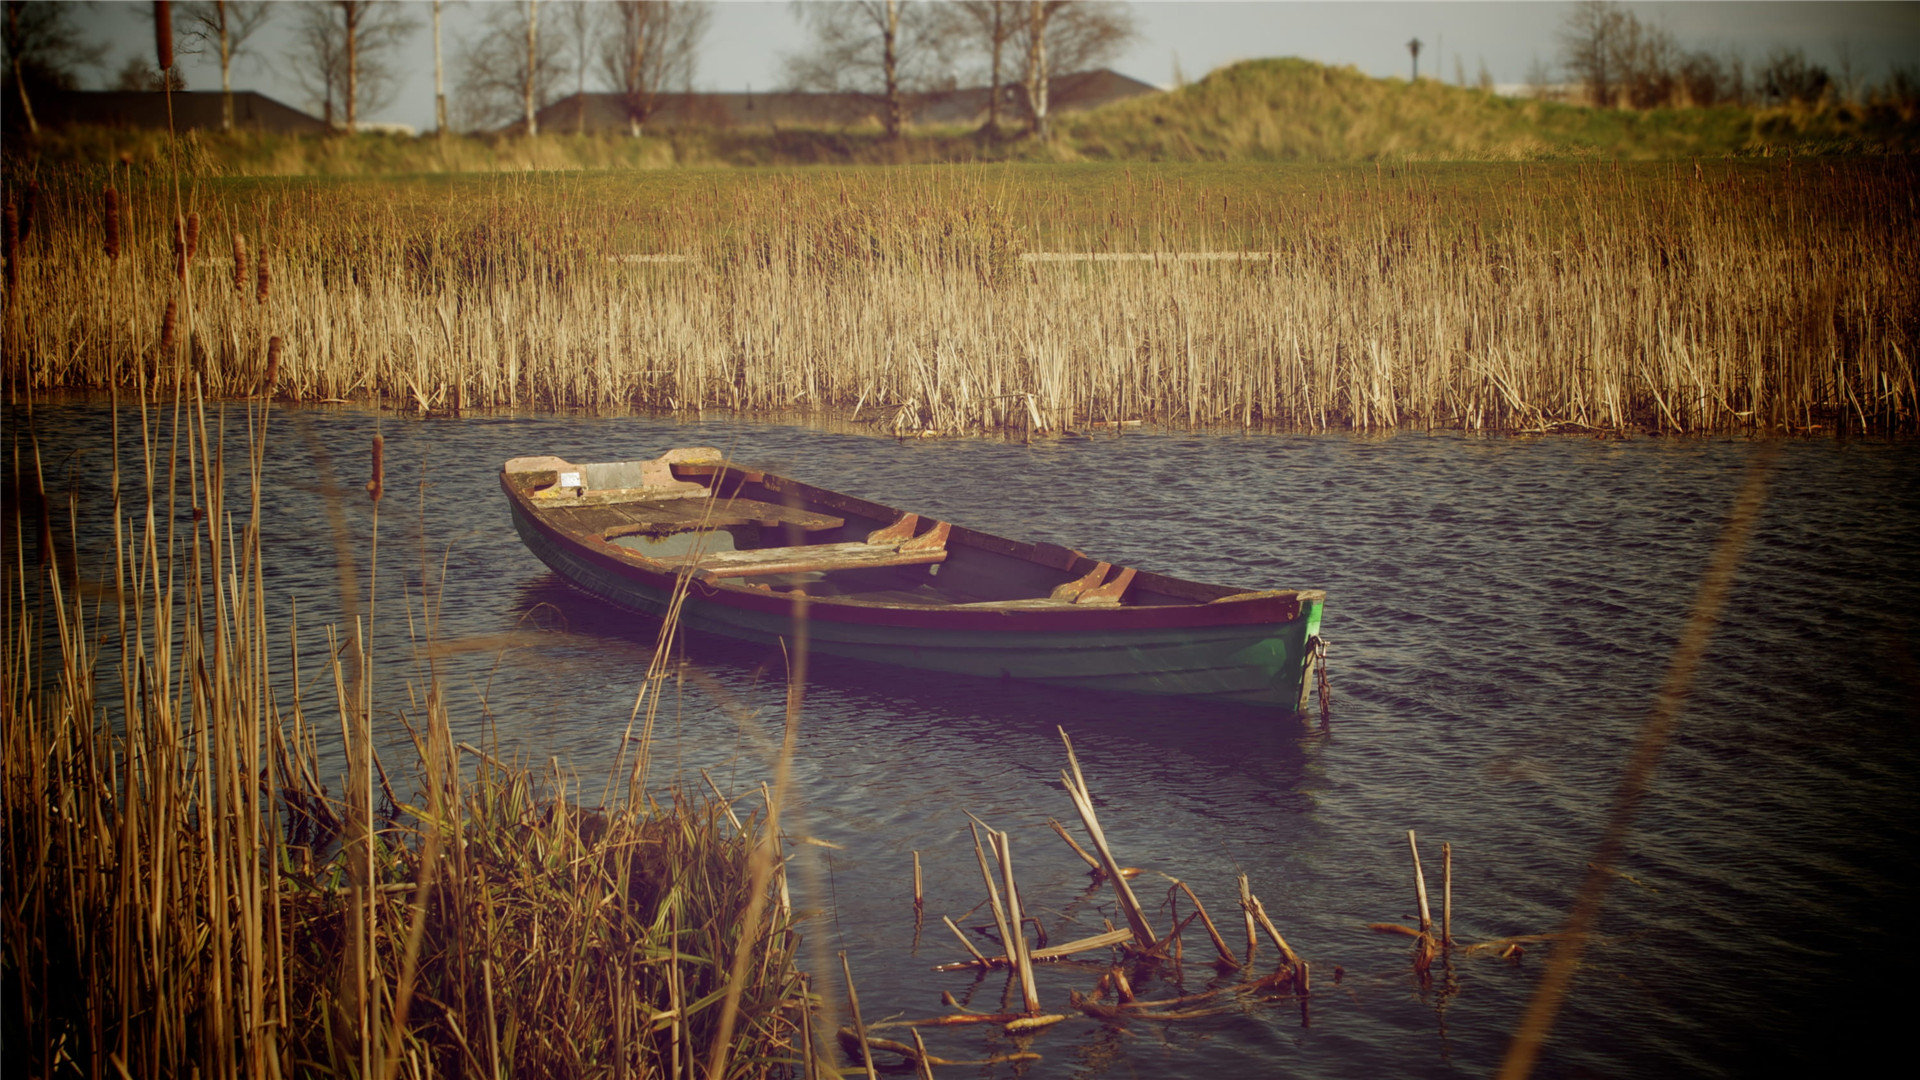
column 1037, row 15
column 350, row 10
column 226, row 69
column 26, row 105
column 439, row 86
column 14, row 8
column 993, row 77
column 890, row 61
column 636, row 74
column 533, row 66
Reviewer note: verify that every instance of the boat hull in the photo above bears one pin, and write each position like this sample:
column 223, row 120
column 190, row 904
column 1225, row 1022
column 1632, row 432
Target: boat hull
column 1256, row 652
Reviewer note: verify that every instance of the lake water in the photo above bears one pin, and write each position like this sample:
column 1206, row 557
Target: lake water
column 1500, row 612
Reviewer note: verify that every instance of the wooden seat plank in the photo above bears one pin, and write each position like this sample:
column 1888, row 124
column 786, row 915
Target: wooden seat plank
column 680, row 513
column 812, row 558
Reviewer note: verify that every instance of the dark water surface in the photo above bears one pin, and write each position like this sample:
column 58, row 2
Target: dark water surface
column 1500, row 610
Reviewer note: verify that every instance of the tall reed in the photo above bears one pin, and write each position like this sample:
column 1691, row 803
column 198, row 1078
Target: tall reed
column 185, row 895
column 1763, row 295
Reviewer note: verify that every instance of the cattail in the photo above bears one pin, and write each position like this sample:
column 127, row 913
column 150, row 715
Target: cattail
column 273, row 364
column 112, row 223
column 27, row 207
column 163, row 36
column 266, row 280
column 375, row 485
column 239, row 264
column 193, row 233
column 180, row 246
column 13, row 248
column 166, row 327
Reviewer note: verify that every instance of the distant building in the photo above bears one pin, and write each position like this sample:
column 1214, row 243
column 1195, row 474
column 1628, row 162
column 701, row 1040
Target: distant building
column 147, row 109
column 601, row 112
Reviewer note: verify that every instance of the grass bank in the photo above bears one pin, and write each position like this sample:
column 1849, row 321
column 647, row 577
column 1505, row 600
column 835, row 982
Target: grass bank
column 1259, row 110
column 1771, row 295
column 188, row 891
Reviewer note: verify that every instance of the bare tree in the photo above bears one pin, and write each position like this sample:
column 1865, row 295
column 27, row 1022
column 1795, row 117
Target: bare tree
column 984, row 27
column 439, row 80
column 1590, row 48
column 508, row 68
column 139, row 74
column 223, row 27
column 530, row 74
column 649, row 50
column 1540, row 80
column 42, row 49
column 1649, row 64
column 1849, row 75
column 1788, row 78
column 343, row 54
column 884, row 49
column 582, row 25
column 1067, row 36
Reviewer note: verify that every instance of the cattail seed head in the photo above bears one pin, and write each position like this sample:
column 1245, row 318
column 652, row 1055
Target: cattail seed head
column 273, row 363
column 266, row 279
column 377, row 484
column 112, row 223
column 239, row 264
column 12, row 228
column 193, row 233
column 166, row 327
column 28, row 205
column 162, row 35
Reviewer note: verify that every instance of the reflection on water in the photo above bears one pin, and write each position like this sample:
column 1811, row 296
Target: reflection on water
column 1500, row 611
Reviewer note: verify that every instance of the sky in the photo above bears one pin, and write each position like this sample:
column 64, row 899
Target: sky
column 747, row 40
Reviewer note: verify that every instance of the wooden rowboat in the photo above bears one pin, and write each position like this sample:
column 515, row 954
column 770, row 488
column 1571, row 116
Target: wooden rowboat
column 890, row 587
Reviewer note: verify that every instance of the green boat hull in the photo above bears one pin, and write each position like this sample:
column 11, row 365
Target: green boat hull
column 1260, row 664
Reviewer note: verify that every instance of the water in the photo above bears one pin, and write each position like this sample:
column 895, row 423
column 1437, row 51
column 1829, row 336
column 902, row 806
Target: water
column 1501, row 612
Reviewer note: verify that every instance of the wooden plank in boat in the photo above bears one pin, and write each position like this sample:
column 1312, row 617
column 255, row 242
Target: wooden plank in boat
column 672, row 515
column 812, row 558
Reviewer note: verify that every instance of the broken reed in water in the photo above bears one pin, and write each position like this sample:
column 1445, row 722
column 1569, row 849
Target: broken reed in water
column 183, row 895
column 1772, row 295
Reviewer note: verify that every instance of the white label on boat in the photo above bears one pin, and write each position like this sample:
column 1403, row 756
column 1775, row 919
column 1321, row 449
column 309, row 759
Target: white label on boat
column 569, row 479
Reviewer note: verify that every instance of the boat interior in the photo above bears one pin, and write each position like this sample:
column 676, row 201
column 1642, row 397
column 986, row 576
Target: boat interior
column 746, row 528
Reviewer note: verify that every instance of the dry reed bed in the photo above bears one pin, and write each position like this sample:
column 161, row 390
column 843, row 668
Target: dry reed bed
column 1779, row 296
column 183, row 894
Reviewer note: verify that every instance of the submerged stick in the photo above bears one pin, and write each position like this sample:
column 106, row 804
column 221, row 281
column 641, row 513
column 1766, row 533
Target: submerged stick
column 1003, row 850
column 859, row 1026
column 1259, row 912
column 1092, row 863
column 918, row 902
column 1219, row 943
column 1246, row 912
column 993, row 894
column 1076, row 785
column 968, row 945
column 1038, row 956
column 920, row 1044
column 1420, row 885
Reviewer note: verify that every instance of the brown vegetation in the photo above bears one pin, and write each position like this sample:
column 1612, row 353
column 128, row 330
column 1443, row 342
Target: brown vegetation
column 184, row 895
column 1770, row 295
